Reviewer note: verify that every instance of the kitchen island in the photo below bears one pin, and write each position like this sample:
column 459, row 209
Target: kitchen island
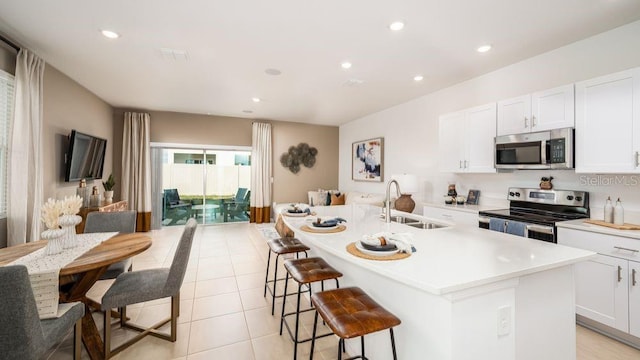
column 466, row 293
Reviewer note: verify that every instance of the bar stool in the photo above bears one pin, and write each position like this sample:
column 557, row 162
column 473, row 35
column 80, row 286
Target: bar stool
column 281, row 246
column 350, row 313
column 305, row 272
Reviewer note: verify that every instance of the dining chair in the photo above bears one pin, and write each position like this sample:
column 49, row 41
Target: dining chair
column 146, row 285
column 123, row 222
column 22, row 334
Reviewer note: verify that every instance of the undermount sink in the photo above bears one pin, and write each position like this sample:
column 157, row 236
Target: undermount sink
column 426, row 225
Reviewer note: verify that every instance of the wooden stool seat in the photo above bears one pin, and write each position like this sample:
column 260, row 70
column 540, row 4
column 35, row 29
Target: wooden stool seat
column 349, row 313
column 286, row 245
column 309, row 270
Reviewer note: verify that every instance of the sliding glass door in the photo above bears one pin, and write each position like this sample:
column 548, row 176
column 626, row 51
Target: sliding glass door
column 211, row 185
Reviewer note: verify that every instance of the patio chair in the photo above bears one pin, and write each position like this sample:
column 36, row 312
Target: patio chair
column 238, row 206
column 173, row 207
column 22, row 334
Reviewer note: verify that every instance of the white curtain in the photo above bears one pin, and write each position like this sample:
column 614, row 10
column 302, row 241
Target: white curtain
column 261, row 173
column 136, row 167
column 25, row 152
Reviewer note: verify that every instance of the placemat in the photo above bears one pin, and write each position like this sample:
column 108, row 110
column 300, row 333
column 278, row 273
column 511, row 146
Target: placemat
column 353, row 250
column 307, row 228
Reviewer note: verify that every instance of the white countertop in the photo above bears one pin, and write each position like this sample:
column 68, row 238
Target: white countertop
column 581, row 225
column 447, row 259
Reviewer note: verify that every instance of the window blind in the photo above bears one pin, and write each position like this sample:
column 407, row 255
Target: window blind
column 6, row 114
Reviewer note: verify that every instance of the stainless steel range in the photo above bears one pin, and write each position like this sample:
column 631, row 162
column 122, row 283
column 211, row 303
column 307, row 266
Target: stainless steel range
column 533, row 213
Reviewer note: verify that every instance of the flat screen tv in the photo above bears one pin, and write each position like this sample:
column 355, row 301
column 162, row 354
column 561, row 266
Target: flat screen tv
column 85, row 157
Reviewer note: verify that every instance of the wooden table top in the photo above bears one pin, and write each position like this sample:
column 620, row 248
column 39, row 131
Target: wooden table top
column 110, row 251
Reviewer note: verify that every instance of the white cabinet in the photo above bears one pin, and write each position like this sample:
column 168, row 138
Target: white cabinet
column 467, row 140
column 542, row 110
column 607, row 287
column 608, row 123
column 456, row 216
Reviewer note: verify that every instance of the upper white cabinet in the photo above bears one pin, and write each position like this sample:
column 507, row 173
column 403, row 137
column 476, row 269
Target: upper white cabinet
column 467, row 140
column 608, row 123
column 542, row 110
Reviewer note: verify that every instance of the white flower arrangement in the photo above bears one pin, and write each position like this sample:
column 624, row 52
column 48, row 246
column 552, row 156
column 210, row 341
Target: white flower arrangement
column 51, row 211
column 71, row 205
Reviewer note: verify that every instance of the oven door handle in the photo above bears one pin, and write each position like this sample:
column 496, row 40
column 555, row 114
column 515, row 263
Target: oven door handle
column 538, row 228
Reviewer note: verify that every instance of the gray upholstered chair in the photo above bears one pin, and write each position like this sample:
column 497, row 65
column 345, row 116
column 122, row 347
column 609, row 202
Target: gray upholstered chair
column 120, row 221
column 146, row 285
column 22, row 334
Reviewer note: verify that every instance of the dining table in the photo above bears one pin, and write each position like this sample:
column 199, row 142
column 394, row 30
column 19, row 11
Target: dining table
column 78, row 276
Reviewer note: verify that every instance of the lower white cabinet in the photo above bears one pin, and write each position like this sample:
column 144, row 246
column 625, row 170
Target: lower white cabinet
column 607, row 287
column 458, row 217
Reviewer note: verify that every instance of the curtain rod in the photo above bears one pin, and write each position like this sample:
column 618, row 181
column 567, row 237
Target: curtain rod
column 11, row 44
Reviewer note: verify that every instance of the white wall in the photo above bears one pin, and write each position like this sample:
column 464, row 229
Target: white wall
column 410, row 130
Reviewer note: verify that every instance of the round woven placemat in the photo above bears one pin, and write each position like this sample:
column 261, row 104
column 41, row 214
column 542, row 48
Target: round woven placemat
column 316, row 231
column 353, row 250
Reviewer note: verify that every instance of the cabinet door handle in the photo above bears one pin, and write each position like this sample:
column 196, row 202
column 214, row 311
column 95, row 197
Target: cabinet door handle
column 460, row 165
column 533, row 121
column 627, row 249
column 465, row 164
column 526, row 122
column 637, row 161
column 633, row 277
column 619, row 273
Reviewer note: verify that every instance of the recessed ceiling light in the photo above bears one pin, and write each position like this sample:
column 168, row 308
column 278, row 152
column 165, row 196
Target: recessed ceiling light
column 396, row 25
column 418, row 78
column 247, row 111
column 273, row 72
column 483, row 48
column 256, row 99
column 346, row 65
column 110, row 34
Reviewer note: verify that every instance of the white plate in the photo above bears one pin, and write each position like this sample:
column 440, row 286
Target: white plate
column 323, row 228
column 302, row 214
column 375, row 253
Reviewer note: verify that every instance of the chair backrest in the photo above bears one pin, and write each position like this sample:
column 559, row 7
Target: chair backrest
column 180, row 259
column 21, row 334
column 121, row 221
column 241, row 195
column 171, row 196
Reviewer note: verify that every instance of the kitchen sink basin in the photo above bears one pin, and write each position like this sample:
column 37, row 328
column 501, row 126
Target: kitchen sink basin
column 426, row 225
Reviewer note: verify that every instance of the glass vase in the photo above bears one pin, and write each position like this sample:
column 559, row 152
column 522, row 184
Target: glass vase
column 55, row 238
column 68, row 224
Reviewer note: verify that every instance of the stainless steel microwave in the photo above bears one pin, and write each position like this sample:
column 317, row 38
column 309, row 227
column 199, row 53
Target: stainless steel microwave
column 552, row 149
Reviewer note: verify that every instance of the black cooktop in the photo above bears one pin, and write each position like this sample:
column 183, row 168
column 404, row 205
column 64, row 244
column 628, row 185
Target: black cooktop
column 540, row 217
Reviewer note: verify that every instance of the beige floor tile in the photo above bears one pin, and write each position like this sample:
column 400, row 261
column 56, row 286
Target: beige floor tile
column 152, row 314
column 249, row 268
column 214, row 271
column 261, row 322
column 218, row 331
column 215, row 287
column 253, row 299
column 217, row 305
column 152, row 348
column 272, row 347
column 251, row 281
column 239, row 351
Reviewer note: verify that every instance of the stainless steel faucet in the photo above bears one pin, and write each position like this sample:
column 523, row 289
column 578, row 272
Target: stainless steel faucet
column 387, row 204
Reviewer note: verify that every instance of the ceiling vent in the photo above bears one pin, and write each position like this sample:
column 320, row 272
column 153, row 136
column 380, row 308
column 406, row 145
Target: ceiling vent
column 353, row 82
column 174, row 54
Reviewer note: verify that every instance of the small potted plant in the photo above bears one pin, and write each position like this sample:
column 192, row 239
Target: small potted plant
column 108, row 189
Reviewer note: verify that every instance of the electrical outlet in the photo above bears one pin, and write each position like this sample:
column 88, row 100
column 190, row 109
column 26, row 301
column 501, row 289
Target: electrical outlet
column 504, row 320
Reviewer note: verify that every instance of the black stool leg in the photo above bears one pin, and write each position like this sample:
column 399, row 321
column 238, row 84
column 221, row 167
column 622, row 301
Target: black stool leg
column 313, row 336
column 275, row 281
column 295, row 340
column 340, row 347
column 284, row 300
column 393, row 344
column 362, row 346
column 266, row 277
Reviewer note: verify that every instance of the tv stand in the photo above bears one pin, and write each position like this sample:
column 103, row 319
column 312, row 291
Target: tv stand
column 104, row 207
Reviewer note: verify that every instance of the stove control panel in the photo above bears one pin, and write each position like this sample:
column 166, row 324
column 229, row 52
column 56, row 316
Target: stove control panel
column 553, row 197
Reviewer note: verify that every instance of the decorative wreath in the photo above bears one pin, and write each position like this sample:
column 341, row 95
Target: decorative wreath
column 301, row 154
